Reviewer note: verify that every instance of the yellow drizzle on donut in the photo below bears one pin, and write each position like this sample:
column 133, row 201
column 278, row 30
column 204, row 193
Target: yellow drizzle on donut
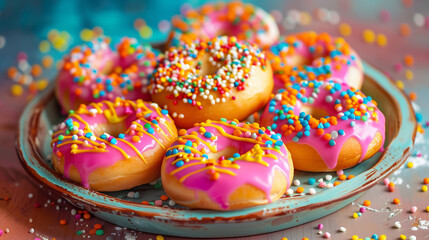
column 95, row 147
column 134, row 148
column 141, row 129
column 220, row 129
column 111, row 116
column 212, row 148
column 254, row 155
column 207, row 168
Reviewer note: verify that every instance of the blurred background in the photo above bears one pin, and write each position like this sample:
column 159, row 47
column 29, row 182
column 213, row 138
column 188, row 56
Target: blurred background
column 35, row 34
column 39, row 27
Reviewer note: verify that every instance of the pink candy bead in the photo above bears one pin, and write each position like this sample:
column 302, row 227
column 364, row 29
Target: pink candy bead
column 413, row 209
column 362, row 209
column 22, row 56
column 384, row 15
column 158, row 203
column 327, row 235
column 398, row 67
column 386, row 181
column 320, row 226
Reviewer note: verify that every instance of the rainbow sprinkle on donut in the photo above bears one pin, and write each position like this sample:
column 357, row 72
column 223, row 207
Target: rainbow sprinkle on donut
column 180, row 73
column 80, row 134
column 94, row 72
column 349, row 114
column 258, row 153
column 324, row 57
column 244, row 21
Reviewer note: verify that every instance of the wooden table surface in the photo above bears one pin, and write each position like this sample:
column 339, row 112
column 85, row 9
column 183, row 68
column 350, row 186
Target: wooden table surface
column 28, row 211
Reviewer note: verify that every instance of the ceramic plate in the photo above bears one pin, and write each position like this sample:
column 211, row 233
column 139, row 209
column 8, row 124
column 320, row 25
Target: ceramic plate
column 33, row 147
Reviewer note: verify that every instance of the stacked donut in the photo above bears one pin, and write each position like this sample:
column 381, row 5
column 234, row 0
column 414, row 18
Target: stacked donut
column 224, row 62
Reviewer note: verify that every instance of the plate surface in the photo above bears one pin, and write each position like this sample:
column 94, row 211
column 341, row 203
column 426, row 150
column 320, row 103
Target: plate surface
column 33, row 148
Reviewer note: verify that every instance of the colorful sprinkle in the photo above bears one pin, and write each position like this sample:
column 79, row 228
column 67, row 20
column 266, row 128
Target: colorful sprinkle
column 345, row 29
column 17, row 90
column 381, row 40
column 368, row 36
column 404, row 29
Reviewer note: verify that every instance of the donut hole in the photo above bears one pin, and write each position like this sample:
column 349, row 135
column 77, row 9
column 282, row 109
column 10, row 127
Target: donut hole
column 317, row 113
column 116, row 67
column 113, row 129
column 296, row 60
column 227, row 152
column 206, row 67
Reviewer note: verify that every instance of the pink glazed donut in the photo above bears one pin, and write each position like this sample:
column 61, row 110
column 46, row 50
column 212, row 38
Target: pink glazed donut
column 242, row 20
column 326, row 125
column 312, row 56
column 226, row 165
column 94, row 72
column 112, row 146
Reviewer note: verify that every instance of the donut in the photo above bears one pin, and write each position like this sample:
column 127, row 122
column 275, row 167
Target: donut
column 326, row 126
column 94, row 72
column 242, row 20
column 226, row 165
column 113, row 145
column 210, row 80
column 312, row 56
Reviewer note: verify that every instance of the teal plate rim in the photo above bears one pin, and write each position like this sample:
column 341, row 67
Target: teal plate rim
column 391, row 159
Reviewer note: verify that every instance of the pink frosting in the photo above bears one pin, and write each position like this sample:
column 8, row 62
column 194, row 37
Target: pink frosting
column 326, row 58
column 138, row 117
column 81, row 74
column 280, row 112
column 200, row 172
column 248, row 23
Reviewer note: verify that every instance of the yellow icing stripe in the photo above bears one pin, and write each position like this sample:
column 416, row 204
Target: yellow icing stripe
column 237, row 127
column 212, row 148
column 206, row 168
column 249, row 157
column 72, row 142
column 220, row 129
column 82, row 121
column 272, row 156
column 141, row 129
column 273, row 149
column 58, row 132
column 111, row 115
column 186, row 166
column 189, row 159
column 95, row 105
column 160, row 115
column 115, row 147
column 193, row 150
column 154, row 138
column 158, row 128
column 225, row 171
column 77, row 151
column 134, row 148
column 95, row 143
